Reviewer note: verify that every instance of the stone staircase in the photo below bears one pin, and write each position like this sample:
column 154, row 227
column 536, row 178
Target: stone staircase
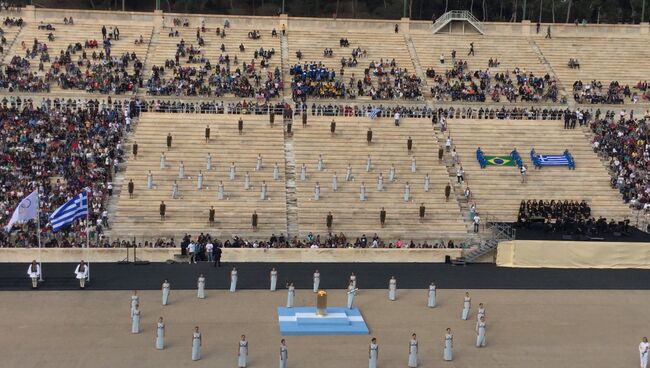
column 290, row 185
column 118, row 179
column 416, row 62
column 153, row 43
column 551, row 72
column 284, row 57
column 10, row 52
column 456, row 189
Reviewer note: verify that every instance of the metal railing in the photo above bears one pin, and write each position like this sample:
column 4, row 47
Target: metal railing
column 457, row 15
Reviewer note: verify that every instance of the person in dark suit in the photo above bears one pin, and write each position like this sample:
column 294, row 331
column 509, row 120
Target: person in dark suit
column 169, row 141
column 254, row 220
column 441, row 152
column 272, row 117
column 382, row 217
column 104, row 32
column 207, row 134
column 289, row 124
column 409, row 144
column 163, row 209
column 216, row 251
column 211, row 215
column 135, row 150
column 329, row 221
column 369, row 136
column 333, row 127
column 240, row 126
column 131, row 187
column 422, row 211
column 447, row 191
column 304, row 119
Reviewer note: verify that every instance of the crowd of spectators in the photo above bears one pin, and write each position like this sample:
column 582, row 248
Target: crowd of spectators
column 596, row 93
column 204, row 243
column 73, row 68
column 315, row 80
column 461, row 84
column 191, row 73
column 624, row 140
column 61, row 151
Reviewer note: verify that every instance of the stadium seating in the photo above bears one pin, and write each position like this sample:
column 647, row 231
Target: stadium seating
column 498, row 191
column 603, row 59
column 389, row 147
column 139, row 216
column 66, row 35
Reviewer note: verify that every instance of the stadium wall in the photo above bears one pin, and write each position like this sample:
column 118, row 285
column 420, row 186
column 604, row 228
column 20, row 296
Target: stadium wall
column 321, row 255
column 573, row 254
column 524, row 28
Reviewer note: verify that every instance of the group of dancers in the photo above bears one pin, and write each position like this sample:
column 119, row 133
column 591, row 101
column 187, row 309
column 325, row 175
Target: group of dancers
column 352, row 290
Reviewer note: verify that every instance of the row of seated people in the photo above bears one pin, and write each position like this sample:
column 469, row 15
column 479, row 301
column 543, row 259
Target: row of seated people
column 13, row 22
column 625, row 141
column 246, row 81
column 595, row 92
column 61, row 153
column 460, row 83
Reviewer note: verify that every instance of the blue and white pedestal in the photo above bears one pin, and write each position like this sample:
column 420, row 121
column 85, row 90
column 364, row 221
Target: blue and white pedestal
column 303, row 321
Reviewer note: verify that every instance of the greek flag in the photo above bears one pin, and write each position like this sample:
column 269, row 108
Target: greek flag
column 553, row 160
column 373, row 113
column 75, row 208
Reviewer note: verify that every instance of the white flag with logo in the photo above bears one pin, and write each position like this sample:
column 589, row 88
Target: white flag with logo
column 27, row 209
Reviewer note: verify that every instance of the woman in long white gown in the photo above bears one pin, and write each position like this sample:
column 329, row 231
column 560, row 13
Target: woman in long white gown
column 335, row 183
column 160, row 334
column 274, row 279
column 351, row 294
column 480, row 333
column 291, row 293
column 413, row 352
column 135, row 300
column 448, row 354
column 427, row 183
column 242, row 352
column 149, row 180
column 480, row 312
column 644, row 348
column 135, row 320
column 316, row 281
column 392, row 288
column 197, row 341
column 165, row 292
column 467, row 304
column 431, row 301
column 200, row 293
column 162, row 160
column 373, row 353
column 276, row 172
column 233, row 280
column 284, row 354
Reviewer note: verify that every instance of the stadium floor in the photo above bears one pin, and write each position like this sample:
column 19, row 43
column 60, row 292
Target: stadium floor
column 112, row 276
column 526, row 328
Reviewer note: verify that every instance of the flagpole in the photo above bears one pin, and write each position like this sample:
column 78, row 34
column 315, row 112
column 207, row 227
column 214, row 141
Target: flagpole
column 38, row 234
column 88, row 237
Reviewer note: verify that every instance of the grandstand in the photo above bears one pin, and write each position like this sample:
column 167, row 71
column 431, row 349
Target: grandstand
column 498, row 191
column 388, row 148
column 189, row 214
column 66, row 37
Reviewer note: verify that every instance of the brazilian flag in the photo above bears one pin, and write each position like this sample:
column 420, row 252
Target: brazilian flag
column 499, row 161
